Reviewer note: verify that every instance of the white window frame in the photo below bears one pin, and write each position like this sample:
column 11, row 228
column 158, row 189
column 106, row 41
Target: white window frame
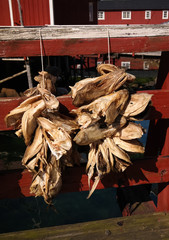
column 125, row 65
column 90, row 11
column 148, row 14
column 102, row 17
column 126, row 15
column 51, row 12
column 11, row 12
column 165, row 12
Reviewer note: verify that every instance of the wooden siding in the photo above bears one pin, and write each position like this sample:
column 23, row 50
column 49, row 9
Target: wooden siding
column 137, row 17
column 4, row 16
column 34, row 12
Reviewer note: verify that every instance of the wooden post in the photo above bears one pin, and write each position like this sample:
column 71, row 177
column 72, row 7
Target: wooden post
column 30, row 84
column 158, row 135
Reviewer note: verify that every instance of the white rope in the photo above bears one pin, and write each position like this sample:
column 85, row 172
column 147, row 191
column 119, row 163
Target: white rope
column 108, row 45
column 42, row 65
column 41, row 53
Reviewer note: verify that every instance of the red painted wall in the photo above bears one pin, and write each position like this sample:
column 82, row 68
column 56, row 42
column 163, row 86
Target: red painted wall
column 137, row 17
column 137, row 63
column 4, row 16
column 34, row 12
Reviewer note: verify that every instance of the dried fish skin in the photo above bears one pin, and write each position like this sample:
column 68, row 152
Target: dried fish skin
column 98, row 162
column 117, row 151
column 100, row 86
column 120, row 166
column 106, row 68
column 59, row 141
column 129, row 145
column 109, row 106
column 130, row 131
column 35, row 147
column 79, row 85
column 60, row 120
column 137, row 104
column 95, row 132
column 49, row 182
column 46, row 81
column 29, row 122
column 13, row 119
column 51, row 102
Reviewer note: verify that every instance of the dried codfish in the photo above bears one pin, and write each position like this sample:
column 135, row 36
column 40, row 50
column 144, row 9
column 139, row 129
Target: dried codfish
column 29, row 122
column 35, row 147
column 80, row 85
column 98, row 162
column 120, row 166
column 51, row 102
column 109, row 106
column 60, row 120
column 129, row 145
column 117, row 151
column 14, row 117
column 96, row 132
column 46, row 81
column 137, row 104
column 31, row 92
column 100, row 86
column 48, row 183
column 59, row 141
column 130, row 131
column 106, row 68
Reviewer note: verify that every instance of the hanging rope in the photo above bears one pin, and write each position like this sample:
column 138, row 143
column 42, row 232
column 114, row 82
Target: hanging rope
column 41, row 52
column 108, row 45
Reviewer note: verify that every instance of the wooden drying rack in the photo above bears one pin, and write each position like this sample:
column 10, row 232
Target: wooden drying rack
column 80, row 40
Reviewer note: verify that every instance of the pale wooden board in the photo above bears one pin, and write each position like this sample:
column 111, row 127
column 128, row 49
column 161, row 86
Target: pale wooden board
column 82, row 31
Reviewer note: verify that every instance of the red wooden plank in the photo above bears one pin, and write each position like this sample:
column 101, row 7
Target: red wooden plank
column 7, row 104
column 144, row 171
column 159, row 109
column 72, row 47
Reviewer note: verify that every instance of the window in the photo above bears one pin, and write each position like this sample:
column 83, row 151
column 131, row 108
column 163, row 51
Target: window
column 125, row 65
column 126, row 14
column 90, row 11
column 147, row 14
column 101, row 15
column 165, row 14
column 145, row 65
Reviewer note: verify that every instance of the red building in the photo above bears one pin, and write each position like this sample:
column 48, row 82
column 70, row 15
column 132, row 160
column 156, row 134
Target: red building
column 133, row 11
column 47, row 12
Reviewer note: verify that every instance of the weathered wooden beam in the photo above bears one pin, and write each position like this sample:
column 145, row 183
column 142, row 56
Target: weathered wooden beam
column 73, row 47
column 83, row 32
column 150, row 226
column 16, row 183
column 159, row 108
column 79, row 40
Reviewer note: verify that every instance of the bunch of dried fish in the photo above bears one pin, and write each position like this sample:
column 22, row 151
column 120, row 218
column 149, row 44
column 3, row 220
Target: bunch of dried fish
column 47, row 135
column 106, row 122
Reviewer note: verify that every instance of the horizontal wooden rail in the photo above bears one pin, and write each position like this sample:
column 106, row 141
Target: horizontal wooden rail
column 159, row 108
column 149, row 226
column 16, row 183
column 79, row 40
